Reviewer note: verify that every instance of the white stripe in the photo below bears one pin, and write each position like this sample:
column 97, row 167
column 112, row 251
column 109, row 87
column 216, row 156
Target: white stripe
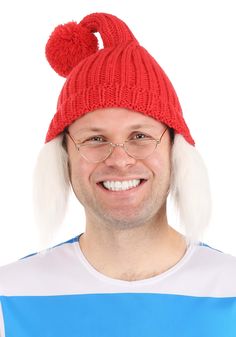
column 64, row 270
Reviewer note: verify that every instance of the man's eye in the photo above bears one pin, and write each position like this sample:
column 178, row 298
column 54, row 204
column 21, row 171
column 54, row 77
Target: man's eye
column 95, row 139
column 141, row 136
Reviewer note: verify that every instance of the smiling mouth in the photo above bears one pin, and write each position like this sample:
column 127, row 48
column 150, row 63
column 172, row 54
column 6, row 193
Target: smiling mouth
column 125, row 185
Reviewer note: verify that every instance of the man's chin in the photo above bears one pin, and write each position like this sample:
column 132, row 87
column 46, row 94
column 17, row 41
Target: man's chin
column 123, row 219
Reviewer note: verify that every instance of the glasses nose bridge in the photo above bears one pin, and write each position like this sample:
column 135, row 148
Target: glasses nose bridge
column 114, row 145
column 117, row 144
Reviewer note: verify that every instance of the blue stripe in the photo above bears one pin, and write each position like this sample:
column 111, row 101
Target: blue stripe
column 205, row 245
column 119, row 315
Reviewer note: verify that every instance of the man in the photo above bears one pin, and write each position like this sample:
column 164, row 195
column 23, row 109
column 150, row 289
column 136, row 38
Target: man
column 119, row 140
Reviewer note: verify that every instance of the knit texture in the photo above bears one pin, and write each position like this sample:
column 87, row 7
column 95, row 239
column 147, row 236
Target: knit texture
column 121, row 74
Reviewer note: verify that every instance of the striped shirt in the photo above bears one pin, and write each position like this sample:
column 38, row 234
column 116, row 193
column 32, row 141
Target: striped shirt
column 57, row 293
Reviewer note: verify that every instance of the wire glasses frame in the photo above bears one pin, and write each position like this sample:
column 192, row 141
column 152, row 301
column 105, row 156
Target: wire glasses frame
column 108, row 147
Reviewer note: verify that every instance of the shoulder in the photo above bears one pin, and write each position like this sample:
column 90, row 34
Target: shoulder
column 214, row 271
column 32, row 270
column 217, row 259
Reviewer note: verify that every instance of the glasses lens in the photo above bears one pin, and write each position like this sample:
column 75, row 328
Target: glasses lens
column 95, row 152
column 140, row 148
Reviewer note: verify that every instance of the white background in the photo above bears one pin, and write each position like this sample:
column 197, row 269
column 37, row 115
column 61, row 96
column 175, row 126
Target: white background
column 194, row 41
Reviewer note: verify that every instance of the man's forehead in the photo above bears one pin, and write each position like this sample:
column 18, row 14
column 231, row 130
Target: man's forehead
column 129, row 127
column 105, row 119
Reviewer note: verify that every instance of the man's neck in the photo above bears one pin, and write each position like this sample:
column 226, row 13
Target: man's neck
column 133, row 254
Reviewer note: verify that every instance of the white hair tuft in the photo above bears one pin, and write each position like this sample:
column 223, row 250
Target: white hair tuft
column 190, row 189
column 50, row 189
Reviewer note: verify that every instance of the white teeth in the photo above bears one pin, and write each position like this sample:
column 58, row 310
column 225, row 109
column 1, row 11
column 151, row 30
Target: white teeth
column 121, row 185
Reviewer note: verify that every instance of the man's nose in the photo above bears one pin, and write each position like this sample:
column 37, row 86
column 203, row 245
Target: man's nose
column 119, row 157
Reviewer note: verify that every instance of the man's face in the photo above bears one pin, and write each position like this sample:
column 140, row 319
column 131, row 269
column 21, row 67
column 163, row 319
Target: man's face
column 132, row 207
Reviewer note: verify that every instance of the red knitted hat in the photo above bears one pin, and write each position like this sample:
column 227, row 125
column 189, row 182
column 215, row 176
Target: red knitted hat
column 121, row 74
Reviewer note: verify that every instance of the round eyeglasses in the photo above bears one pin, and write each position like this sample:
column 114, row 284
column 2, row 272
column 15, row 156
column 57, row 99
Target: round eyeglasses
column 97, row 151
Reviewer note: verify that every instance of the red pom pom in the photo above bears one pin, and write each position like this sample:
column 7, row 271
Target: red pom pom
column 68, row 45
